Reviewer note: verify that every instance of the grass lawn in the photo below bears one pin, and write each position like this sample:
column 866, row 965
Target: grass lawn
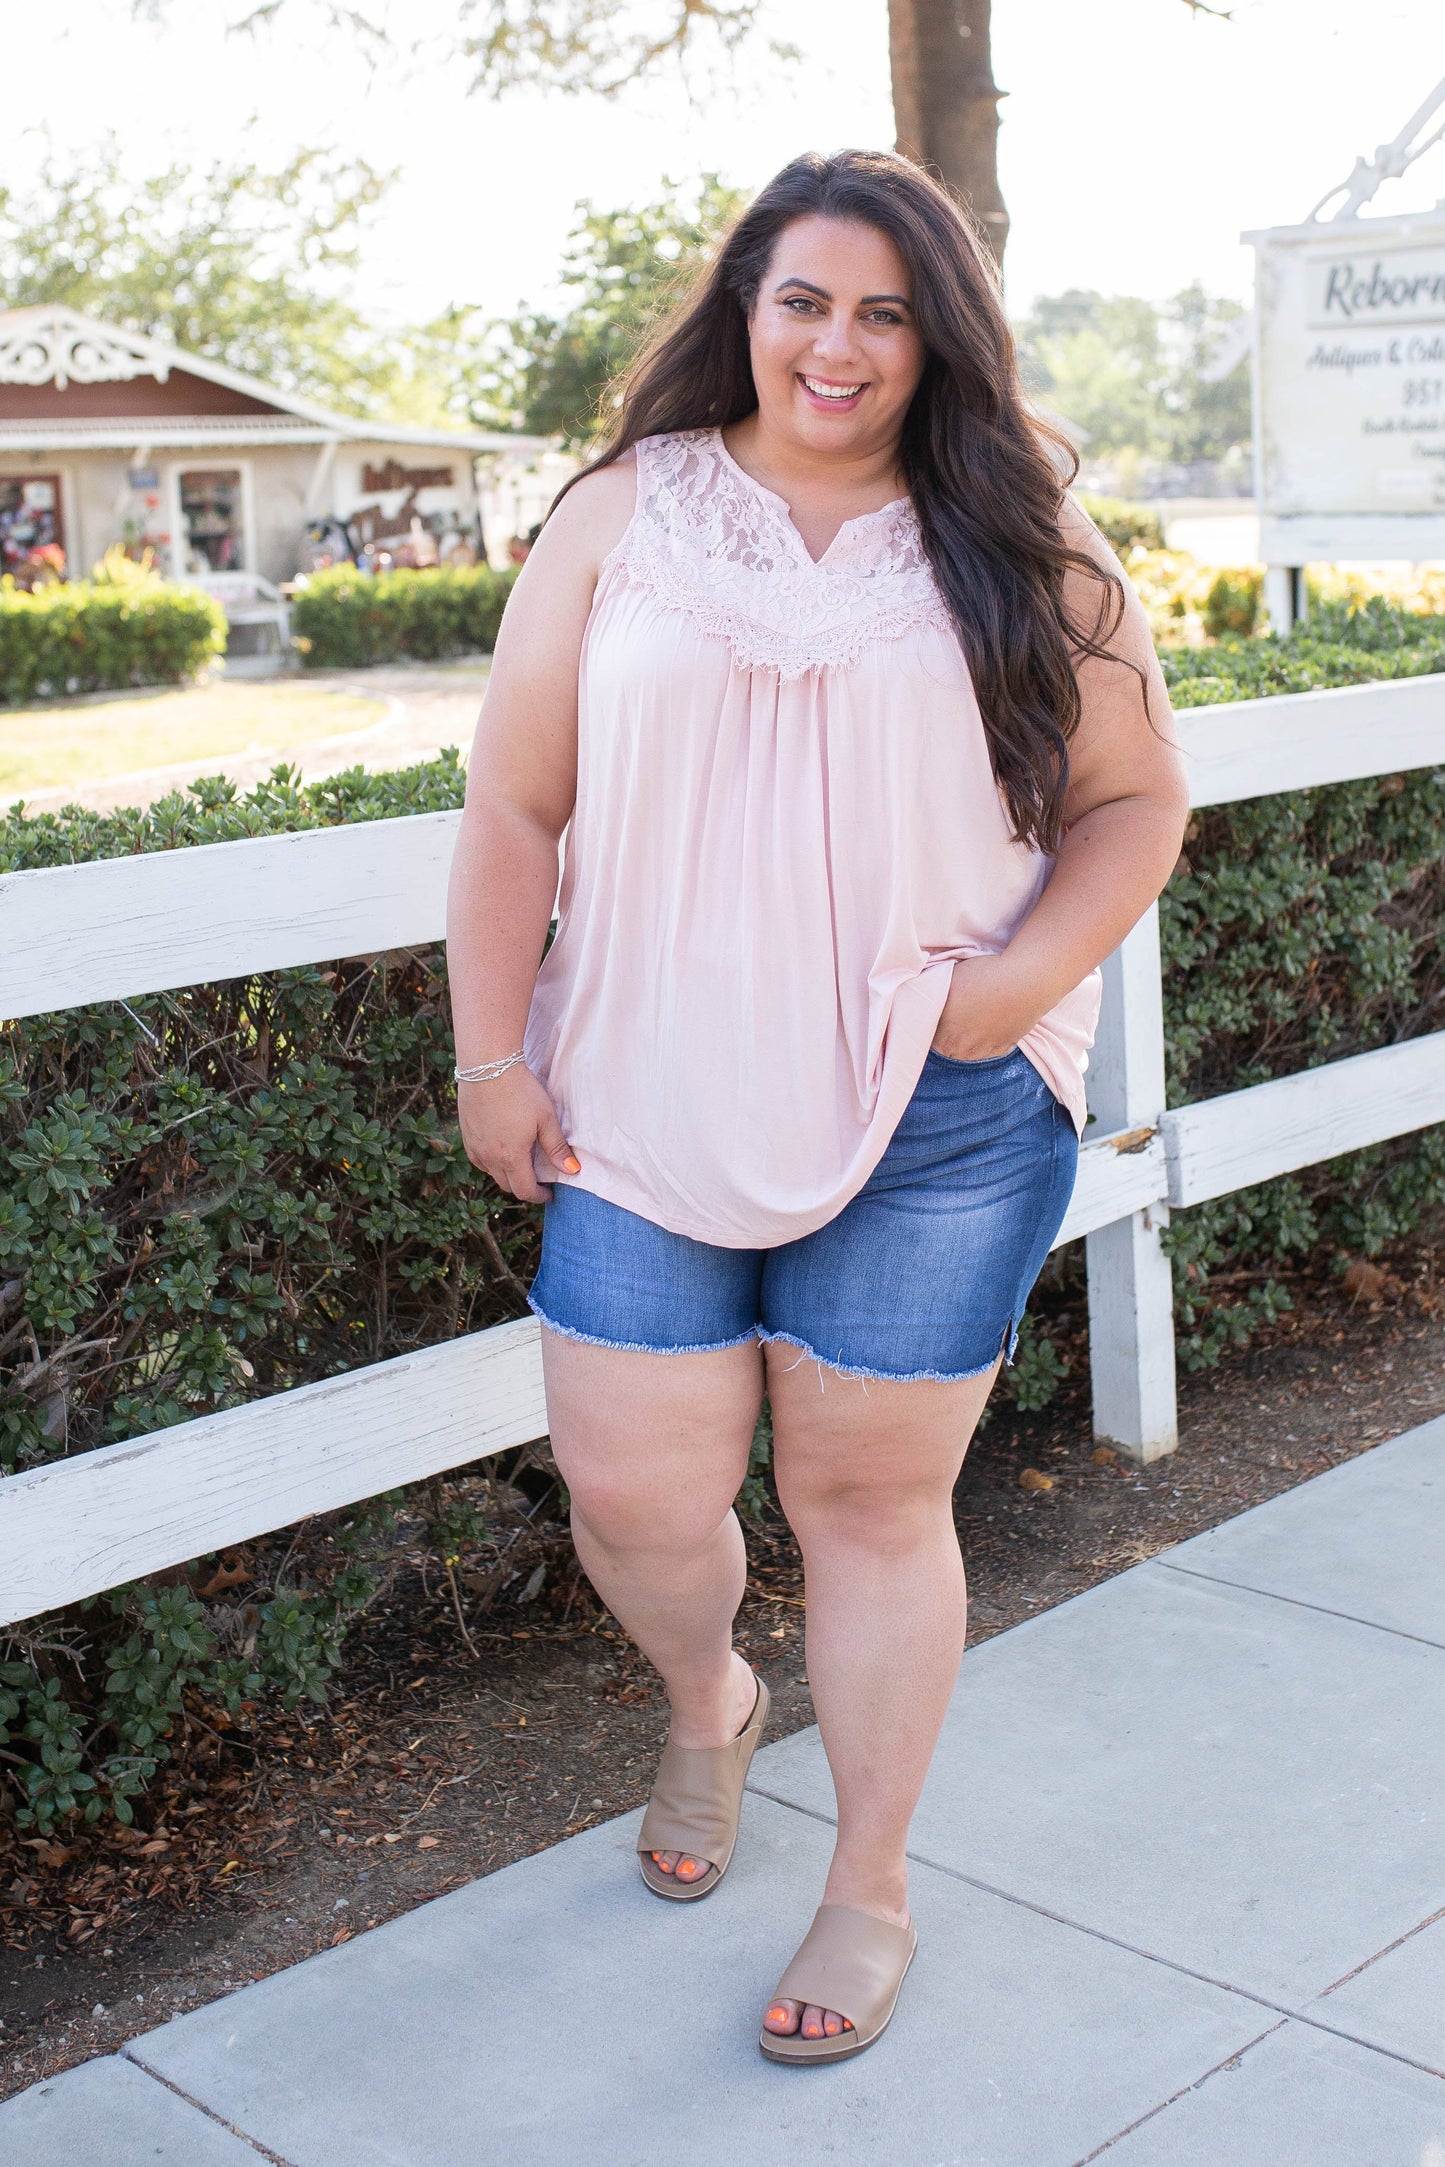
column 61, row 746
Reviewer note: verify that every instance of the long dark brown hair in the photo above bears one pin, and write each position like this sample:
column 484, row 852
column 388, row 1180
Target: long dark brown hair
column 986, row 474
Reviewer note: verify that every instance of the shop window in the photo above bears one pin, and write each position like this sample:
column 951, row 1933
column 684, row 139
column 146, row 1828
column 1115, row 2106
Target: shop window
column 211, row 521
column 32, row 539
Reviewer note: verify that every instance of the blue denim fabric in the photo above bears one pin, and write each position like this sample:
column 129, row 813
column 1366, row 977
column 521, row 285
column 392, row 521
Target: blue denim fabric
column 924, row 1274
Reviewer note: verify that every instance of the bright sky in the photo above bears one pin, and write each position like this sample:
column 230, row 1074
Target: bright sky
column 1138, row 140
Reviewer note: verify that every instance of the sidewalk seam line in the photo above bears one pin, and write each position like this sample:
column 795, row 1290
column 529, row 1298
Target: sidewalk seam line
column 1297, row 1602
column 128, row 2054
column 1182, row 2093
column 1380, row 1954
column 1186, row 1971
column 1131, row 1948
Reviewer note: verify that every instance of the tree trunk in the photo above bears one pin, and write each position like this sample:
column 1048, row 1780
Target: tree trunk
column 945, row 101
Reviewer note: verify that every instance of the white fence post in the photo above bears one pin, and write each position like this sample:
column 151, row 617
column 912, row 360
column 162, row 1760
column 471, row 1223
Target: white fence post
column 1131, row 1304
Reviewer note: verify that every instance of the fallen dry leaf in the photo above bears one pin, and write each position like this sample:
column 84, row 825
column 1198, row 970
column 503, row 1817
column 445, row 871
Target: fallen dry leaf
column 1102, row 1456
column 427, row 1843
column 47, row 1853
column 1364, row 1281
column 1031, row 1479
column 225, row 1576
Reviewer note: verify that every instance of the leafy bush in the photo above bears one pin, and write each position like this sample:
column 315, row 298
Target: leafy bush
column 1299, row 929
column 1234, row 601
column 223, row 1192
column 1123, row 526
column 341, row 619
column 1419, row 588
column 1173, row 587
column 1338, row 644
column 206, row 1196
column 103, row 634
column 1189, row 603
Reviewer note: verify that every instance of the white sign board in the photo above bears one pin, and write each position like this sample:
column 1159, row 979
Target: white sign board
column 1350, row 389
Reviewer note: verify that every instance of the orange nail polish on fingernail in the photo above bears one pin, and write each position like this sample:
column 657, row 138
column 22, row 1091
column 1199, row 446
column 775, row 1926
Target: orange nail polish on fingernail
column 573, row 1166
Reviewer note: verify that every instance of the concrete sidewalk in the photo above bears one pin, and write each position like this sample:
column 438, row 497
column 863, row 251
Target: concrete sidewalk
column 1180, row 1890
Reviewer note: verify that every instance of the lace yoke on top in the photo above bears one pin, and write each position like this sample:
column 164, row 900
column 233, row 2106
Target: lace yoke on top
column 708, row 540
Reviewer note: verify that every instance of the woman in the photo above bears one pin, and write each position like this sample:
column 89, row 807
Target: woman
column 865, row 756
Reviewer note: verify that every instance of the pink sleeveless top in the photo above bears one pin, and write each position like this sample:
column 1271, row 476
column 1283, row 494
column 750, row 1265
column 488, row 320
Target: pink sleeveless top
column 786, row 830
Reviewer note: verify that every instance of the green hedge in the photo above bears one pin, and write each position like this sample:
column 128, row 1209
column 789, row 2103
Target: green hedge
column 1123, row 526
column 1235, row 602
column 229, row 1190
column 1339, row 644
column 1299, row 929
column 100, row 636
column 341, row 619
column 208, row 1195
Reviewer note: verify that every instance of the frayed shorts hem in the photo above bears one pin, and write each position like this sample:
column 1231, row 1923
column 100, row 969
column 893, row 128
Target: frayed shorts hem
column 882, row 1376
column 636, row 1346
column 786, row 1339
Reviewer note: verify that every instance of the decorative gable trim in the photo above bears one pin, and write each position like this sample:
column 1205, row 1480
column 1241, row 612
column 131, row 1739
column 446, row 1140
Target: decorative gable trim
column 50, row 344
column 57, row 346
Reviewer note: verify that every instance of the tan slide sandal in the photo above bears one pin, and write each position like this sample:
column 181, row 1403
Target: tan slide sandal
column 851, row 1962
column 695, row 1805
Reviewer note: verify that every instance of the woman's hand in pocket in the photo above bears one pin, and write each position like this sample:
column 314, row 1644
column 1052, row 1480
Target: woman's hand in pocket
column 502, row 1120
column 987, row 1011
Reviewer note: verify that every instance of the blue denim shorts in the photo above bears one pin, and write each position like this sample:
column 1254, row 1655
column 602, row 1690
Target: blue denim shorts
column 924, row 1273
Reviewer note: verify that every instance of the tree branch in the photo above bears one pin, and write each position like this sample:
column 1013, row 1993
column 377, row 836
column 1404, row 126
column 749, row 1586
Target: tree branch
column 580, row 45
column 594, row 46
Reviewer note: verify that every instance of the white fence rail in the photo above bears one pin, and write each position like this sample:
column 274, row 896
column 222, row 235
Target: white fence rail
column 80, row 1525
column 121, row 927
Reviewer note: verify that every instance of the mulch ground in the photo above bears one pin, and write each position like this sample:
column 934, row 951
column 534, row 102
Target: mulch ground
column 433, row 1765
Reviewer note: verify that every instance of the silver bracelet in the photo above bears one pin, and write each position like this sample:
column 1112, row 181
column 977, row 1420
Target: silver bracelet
column 486, row 1070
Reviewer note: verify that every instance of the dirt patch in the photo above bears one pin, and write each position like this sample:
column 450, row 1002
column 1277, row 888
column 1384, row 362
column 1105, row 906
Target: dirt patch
column 432, row 1765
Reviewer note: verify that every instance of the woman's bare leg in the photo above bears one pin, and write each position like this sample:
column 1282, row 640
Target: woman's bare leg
column 653, row 1449
column 865, row 1473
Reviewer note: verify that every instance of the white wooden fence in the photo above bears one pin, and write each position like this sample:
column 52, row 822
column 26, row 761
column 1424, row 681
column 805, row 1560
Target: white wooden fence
column 126, row 926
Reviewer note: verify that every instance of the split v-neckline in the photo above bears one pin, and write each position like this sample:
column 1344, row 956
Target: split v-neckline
column 785, row 515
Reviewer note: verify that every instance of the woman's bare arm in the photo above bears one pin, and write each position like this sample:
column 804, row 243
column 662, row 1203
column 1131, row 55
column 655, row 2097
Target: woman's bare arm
column 521, row 781
column 1126, row 810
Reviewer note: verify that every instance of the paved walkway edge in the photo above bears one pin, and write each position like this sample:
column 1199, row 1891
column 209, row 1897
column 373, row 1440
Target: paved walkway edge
column 1180, row 1882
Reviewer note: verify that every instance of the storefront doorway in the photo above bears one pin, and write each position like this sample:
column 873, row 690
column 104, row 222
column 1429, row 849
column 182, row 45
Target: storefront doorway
column 32, row 534
column 211, row 521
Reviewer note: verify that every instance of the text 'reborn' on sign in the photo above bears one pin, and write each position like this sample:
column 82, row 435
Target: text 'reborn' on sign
column 1350, row 389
